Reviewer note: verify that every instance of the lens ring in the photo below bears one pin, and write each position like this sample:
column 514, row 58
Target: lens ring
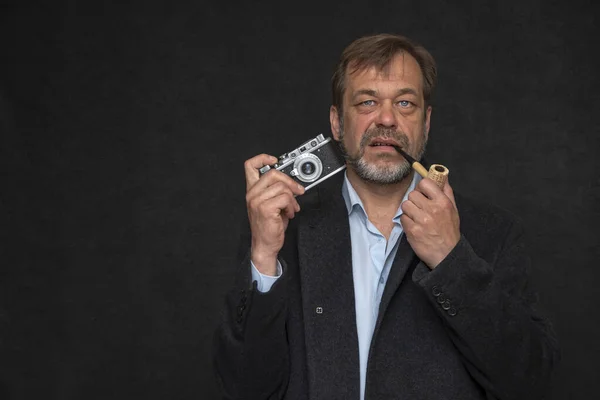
column 317, row 167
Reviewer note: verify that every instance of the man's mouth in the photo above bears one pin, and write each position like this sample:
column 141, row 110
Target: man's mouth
column 384, row 143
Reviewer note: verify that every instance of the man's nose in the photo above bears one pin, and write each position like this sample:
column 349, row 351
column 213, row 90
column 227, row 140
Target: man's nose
column 386, row 116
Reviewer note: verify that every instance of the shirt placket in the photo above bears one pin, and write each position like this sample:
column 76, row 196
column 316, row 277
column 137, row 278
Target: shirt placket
column 377, row 250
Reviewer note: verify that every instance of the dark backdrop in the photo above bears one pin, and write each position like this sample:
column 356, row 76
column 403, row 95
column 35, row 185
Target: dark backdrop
column 123, row 133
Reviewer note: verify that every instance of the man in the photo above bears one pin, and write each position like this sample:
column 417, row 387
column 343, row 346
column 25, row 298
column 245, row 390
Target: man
column 384, row 286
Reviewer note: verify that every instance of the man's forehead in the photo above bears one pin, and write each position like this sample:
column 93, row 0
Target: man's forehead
column 402, row 68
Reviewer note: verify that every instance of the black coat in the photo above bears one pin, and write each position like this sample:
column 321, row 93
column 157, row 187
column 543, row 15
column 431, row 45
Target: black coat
column 466, row 330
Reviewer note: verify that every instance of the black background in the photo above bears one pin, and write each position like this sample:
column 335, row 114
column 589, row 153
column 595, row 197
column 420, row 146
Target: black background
column 123, row 133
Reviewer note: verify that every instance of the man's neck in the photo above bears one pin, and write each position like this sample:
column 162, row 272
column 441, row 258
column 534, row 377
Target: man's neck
column 380, row 201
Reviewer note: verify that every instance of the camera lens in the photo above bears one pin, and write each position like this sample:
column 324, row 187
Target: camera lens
column 308, row 168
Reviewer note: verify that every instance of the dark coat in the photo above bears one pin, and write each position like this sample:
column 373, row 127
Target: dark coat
column 466, row 330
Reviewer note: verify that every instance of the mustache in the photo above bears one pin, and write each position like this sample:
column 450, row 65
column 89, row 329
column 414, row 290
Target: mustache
column 384, row 133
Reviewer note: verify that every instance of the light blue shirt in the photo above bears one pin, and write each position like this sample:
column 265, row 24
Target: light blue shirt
column 372, row 258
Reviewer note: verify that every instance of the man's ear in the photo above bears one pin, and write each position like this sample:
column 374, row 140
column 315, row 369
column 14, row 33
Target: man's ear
column 427, row 121
column 334, row 121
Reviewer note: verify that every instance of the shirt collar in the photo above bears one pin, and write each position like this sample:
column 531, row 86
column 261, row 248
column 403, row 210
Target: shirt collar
column 351, row 197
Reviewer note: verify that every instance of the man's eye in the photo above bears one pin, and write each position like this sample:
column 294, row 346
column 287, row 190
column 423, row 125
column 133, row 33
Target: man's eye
column 404, row 103
column 367, row 103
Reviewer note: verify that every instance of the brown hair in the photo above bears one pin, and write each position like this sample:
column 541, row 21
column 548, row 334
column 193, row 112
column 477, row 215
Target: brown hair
column 378, row 51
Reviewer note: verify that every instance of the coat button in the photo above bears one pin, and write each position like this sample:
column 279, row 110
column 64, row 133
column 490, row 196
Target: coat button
column 452, row 311
column 446, row 305
column 436, row 291
column 441, row 298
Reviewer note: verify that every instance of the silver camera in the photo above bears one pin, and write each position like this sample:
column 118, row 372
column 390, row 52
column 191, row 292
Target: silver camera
column 311, row 162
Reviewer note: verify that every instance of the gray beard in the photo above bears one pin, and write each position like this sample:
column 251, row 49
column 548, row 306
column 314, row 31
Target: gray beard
column 382, row 175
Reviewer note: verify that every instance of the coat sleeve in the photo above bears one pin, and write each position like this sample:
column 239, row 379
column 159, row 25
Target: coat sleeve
column 251, row 358
column 489, row 310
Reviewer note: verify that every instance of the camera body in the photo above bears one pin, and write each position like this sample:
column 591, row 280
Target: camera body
column 311, row 162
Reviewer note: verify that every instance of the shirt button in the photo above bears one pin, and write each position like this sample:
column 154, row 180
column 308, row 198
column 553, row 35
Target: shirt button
column 381, row 280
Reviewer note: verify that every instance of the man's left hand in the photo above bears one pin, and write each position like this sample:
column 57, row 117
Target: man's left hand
column 430, row 221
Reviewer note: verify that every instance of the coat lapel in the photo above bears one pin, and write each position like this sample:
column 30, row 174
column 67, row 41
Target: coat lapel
column 328, row 299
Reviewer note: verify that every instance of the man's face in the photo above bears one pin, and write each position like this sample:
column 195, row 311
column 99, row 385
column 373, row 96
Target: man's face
column 381, row 109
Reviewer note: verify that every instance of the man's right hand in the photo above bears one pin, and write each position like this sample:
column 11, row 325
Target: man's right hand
column 271, row 203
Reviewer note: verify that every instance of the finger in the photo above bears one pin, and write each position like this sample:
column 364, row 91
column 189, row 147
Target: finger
column 407, row 223
column 412, row 211
column 274, row 176
column 252, row 165
column 429, row 188
column 273, row 191
column 418, row 198
column 283, row 204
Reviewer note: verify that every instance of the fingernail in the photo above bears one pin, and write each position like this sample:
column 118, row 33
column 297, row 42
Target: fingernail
column 301, row 187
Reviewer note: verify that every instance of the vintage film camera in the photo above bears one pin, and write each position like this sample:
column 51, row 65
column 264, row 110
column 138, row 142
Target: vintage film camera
column 311, row 162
